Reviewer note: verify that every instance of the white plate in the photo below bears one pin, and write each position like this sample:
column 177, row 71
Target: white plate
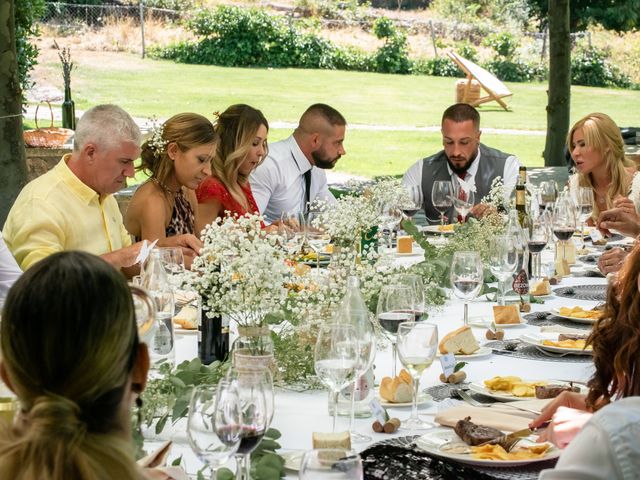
column 436, row 229
column 506, row 396
column 536, row 341
column 484, row 322
column 292, row 459
column 590, row 321
column 482, row 352
column 434, row 439
column 422, row 399
column 185, row 331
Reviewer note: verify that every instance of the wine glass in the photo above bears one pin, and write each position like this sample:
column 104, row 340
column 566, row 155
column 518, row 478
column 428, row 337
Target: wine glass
column 415, row 283
column 548, row 192
column 417, row 344
column 564, row 221
column 584, row 200
column 316, row 233
column 291, row 229
column 463, row 200
column 172, row 260
column 395, row 305
column 537, row 236
column 503, row 260
column 466, row 278
column 255, row 396
column 417, row 200
column 390, row 217
column 213, row 423
column 442, row 200
column 335, row 359
column 334, row 464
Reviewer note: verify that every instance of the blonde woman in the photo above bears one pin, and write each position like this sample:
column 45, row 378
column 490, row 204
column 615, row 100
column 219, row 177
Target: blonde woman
column 70, row 352
column 243, row 134
column 178, row 158
column 597, row 148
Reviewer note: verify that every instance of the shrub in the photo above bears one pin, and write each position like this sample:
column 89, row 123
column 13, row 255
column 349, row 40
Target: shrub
column 26, row 13
column 516, row 71
column 181, row 5
column 590, row 67
column 468, row 51
column 504, row 44
column 393, row 56
column 437, row 67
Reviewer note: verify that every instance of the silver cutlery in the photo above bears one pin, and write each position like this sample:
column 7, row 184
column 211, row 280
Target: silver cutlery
column 475, row 403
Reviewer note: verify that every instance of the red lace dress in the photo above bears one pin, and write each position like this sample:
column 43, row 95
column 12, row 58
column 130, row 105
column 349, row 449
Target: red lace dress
column 212, row 188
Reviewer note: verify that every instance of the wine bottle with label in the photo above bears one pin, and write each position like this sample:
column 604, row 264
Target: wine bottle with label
column 213, row 338
column 522, row 175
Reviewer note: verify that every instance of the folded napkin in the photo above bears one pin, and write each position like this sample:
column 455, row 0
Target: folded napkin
column 504, row 418
column 561, row 329
column 154, row 469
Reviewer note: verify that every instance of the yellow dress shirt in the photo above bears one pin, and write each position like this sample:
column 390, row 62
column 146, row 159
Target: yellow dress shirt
column 57, row 212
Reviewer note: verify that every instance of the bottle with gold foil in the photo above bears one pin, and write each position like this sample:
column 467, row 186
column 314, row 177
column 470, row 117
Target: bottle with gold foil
column 522, row 175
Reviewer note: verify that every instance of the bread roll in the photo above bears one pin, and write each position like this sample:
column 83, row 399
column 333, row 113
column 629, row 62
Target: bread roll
column 398, row 389
column 459, row 341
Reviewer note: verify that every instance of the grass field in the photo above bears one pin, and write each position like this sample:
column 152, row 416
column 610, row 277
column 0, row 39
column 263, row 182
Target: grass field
column 162, row 88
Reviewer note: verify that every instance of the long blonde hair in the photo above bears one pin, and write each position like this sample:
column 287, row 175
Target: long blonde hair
column 69, row 341
column 603, row 135
column 187, row 131
column 237, row 127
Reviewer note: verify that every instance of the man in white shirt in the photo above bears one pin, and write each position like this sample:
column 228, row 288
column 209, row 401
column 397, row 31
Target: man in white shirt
column 463, row 157
column 293, row 174
column 9, row 271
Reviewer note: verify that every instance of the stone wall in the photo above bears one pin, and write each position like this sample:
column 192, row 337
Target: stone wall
column 41, row 160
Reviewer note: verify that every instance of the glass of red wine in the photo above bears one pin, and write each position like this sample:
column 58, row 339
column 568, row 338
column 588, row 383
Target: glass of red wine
column 537, row 236
column 466, row 277
column 395, row 305
column 213, row 423
column 417, row 199
column 442, row 200
column 564, row 221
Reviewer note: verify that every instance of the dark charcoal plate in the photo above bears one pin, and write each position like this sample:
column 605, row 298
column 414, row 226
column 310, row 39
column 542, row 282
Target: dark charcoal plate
column 597, row 293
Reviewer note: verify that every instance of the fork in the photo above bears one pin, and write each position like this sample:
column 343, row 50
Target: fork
column 475, row 403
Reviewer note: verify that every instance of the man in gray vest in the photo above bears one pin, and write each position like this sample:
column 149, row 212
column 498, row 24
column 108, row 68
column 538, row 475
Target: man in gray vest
column 465, row 158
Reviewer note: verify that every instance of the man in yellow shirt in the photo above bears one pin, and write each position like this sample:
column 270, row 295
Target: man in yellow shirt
column 71, row 207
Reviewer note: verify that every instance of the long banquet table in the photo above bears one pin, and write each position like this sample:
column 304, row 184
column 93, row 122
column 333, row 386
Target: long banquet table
column 297, row 414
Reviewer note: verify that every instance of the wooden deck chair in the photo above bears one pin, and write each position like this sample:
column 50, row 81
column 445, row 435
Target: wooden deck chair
column 496, row 90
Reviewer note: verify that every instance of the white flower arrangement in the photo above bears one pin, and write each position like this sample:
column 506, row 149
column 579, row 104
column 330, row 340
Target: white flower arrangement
column 498, row 197
column 241, row 271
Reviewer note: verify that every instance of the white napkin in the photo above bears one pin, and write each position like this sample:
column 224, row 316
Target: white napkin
column 561, row 329
column 467, row 185
column 154, row 468
column 498, row 416
column 145, row 250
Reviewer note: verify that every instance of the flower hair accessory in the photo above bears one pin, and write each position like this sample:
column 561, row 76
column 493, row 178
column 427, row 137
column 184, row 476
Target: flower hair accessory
column 156, row 140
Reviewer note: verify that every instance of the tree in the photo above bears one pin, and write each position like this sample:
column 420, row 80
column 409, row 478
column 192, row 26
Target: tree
column 26, row 13
column 13, row 168
column 559, row 93
column 619, row 16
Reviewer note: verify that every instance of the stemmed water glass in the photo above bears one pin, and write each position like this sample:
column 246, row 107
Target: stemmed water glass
column 463, row 200
column 564, row 221
column 415, row 283
column 584, row 201
column 537, row 236
column 316, row 233
column 417, row 200
column 213, row 423
column 333, row 463
column 417, row 344
column 503, row 260
column 336, row 359
column 442, row 200
column 291, row 229
column 390, row 217
column 466, row 278
column 548, row 192
column 395, row 305
column 172, row 260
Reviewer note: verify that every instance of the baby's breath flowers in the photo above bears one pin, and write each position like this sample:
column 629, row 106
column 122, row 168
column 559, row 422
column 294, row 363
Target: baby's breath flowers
column 156, row 137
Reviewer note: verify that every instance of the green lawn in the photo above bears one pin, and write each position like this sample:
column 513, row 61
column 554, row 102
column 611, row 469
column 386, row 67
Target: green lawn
column 162, row 88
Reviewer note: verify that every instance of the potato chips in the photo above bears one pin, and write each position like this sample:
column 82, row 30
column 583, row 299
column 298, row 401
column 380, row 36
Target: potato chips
column 496, row 452
column 513, row 385
column 579, row 312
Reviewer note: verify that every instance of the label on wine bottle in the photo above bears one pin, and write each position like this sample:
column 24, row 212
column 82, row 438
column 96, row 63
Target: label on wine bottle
column 520, row 284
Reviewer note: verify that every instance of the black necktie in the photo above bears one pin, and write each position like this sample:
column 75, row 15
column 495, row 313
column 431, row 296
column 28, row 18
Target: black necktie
column 307, row 189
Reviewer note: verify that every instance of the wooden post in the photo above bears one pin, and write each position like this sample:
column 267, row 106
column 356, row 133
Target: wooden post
column 142, row 25
column 559, row 93
column 543, row 54
column 433, row 38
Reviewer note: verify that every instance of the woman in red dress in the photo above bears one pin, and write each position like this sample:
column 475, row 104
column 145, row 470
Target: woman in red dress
column 243, row 145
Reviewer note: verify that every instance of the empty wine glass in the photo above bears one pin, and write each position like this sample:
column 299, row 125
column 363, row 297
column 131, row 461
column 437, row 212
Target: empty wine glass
column 172, row 260
column 317, row 235
column 213, row 423
column 548, row 193
column 466, row 278
column 503, row 260
column 417, row 200
column 537, row 236
column 291, row 229
column 564, row 221
column 417, row 345
column 584, row 201
column 463, row 200
column 395, row 305
column 331, row 464
column 416, row 284
column 389, row 218
column 335, row 359
column 442, row 200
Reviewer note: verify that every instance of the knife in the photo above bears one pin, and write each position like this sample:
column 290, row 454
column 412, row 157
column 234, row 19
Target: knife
column 509, row 441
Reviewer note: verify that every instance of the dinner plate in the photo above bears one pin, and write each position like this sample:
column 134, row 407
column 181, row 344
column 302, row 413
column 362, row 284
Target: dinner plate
column 537, row 340
column 557, row 313
column 413, row 253
column 435, row 438
column 482, row 352
column 484, row 322
column 422, row 399
column 504, row 396
column 185, row 331
column 292, row 459
column 436, row 229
